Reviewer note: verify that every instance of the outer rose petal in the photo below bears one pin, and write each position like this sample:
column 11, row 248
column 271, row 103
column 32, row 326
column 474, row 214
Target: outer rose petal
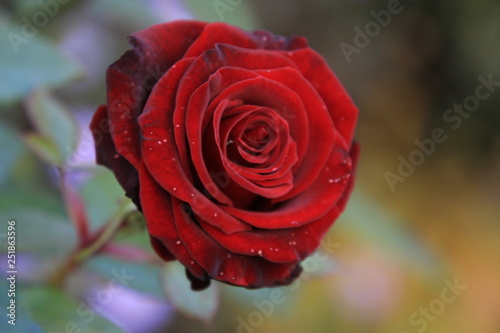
column 342, row 110
column 222, row 265
column 130, row 79
column 107, row 155
column 157, row 210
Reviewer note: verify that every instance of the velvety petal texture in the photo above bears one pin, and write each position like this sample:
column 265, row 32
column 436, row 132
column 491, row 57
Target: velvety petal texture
column 236, row 146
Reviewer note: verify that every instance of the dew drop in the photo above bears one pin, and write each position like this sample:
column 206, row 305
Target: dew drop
column 221, row 273
column 159, row 142
column 295, row 222
column 165, row 140
column 177, row 125
column 229, row 255
column 116, row 156
column 192, row 195
column 252, row 250
column 215, row 215
column 191, row 262
column 150, row 148
column 174, row 189
column 259, row 252
column 178, row 242
column 233, row 278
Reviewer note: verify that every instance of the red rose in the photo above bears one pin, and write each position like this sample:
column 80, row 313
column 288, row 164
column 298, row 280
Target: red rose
column 235, row 145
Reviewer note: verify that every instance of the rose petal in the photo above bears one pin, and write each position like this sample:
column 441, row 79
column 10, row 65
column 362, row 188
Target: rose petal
column 277, row 245
column 130, row 79
column 162, row 157
column 222, row 265
column 310, row 205
column 107, row 155
column 342, row 110
column 157, row 210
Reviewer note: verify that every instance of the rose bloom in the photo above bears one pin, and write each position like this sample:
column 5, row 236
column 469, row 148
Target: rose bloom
column 236, row 146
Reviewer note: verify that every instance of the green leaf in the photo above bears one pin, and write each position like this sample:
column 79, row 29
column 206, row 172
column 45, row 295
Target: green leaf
column 102, row 195
column 143, row 277
column 23, row 322
column 200, row 305
column 10, row 149
column 240, row 14
column 40, row 232
column 29, row 61
column 52, row 121
column 368, row 220
column 57, row 312
column 44, row 148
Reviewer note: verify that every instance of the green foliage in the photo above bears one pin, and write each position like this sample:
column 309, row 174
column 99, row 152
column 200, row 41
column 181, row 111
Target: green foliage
column 144, row 277
column 10, row 147
column 29, row 62
column 238, row 13
column 102, row 195
column 56, row 129
column 200, row 305
column 56, row 312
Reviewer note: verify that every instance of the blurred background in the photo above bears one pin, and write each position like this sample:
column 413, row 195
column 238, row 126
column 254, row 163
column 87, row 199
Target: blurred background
column 417, row 249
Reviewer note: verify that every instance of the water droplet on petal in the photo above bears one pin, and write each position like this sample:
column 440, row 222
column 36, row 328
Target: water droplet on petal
column 221, row 273
column 259, row 252
column 174, row 189
column 295, row 222
column 252, row 250
column 116, row 156
column 215, row 214
column 192, row 195
column 229, row 255
column 178, row 242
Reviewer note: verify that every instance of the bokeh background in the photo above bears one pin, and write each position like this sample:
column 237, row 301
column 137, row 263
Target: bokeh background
column 420, row 255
